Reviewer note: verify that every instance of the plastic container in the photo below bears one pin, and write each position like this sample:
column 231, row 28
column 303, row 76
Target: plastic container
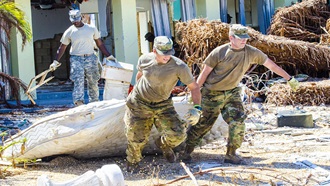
column 117, row 71
column 117, row 77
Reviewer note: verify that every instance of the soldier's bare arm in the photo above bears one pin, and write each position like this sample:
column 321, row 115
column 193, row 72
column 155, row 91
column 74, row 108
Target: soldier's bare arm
column 202, row 77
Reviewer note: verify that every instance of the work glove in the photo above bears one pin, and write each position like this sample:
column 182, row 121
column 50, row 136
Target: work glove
column 111, row 58
column 54, row 65
column 294, row 84
column 193, row 115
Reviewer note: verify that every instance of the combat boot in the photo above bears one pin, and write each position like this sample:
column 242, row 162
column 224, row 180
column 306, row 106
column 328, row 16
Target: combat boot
column 186, row 156
column 78, row 103
column 232, row 158
column 132, row 167
column 179, row 148
column 167, row 151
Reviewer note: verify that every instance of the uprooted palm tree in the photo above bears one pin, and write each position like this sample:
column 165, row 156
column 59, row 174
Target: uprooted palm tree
column 11, row 17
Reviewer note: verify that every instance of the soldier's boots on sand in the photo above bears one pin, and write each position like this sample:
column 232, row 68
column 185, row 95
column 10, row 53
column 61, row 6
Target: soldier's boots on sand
column 167, row 151
column 186, row 156
column 132, row 167
column 233, row 158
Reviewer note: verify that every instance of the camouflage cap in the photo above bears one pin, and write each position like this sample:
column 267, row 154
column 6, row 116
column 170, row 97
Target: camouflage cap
column 163, row 45
column 75, row 15
column 239, row 31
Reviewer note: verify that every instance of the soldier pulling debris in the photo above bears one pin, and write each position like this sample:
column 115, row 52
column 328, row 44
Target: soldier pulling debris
column 223, row 70
column 150, row 103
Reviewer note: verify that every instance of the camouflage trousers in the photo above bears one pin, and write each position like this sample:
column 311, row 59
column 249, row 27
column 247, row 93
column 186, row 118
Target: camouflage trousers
column 81, row 67
column 230, row 105
column 140, row 116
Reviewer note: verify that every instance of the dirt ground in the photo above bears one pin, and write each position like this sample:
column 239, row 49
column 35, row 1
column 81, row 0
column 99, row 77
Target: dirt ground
column 274, row 155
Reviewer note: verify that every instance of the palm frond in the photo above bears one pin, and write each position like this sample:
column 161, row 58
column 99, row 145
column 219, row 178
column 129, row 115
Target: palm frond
column 13, row 17
column 14, row 84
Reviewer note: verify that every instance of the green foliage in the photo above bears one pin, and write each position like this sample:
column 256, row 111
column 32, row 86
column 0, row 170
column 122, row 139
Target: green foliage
column 13, row 17
column 14, row 160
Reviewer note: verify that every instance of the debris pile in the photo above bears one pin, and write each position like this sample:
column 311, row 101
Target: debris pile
column 198, row 37
column 10, row 84
column 301, row 21
column 325, row 38
column 295, row 57
column 308, row 94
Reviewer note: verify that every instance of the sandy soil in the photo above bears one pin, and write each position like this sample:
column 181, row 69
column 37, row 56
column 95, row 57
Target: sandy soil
column 273, row 154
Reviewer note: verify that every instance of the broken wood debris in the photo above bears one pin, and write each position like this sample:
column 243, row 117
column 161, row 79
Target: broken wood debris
column 301, row 21
column 308, row 94
column 251, row 174
column 197, row 38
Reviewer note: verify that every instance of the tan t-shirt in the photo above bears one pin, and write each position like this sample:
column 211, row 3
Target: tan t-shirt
column 229, row 65
column 158, row 80
column 81, row 39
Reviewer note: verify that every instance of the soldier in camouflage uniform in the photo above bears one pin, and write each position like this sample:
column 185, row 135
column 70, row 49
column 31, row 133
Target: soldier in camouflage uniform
column 224, row 68
column 150, row 104
column 83, row 61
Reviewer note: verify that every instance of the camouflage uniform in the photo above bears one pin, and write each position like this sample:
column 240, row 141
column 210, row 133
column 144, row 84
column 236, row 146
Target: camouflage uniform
column 81, row 67
column 140, row 117
column 220, row 92
column 227, row 102
column 225, row 67
column 83, row 62
column 150, row 104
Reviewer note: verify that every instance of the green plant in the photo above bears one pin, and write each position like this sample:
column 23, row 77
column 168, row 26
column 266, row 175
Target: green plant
column 13, row 17
column 13, row 160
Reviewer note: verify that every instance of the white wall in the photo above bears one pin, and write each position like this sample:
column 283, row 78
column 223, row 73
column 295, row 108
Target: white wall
column 22, row 60
column 46, row 23
column 209, row 9
column 126, row 32
column 254, row 7
column 144, row 6
column 143, row 28
column 231, row 11
column 212, row 10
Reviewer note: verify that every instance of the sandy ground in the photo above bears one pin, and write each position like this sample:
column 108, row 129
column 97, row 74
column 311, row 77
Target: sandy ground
column 274, row 155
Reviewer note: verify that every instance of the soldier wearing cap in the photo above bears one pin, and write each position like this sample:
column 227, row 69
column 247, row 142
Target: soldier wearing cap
column 150, row 104
column 223, row 70
column 83, row 61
